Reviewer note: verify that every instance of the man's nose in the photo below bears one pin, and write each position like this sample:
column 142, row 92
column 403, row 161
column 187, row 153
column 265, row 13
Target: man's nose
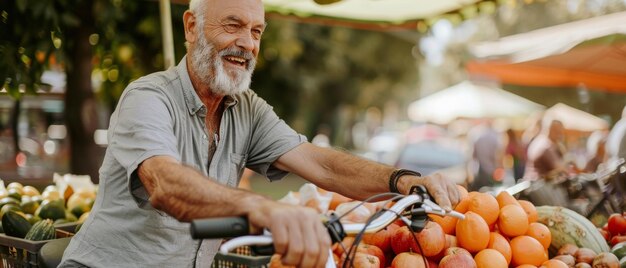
column 245, row 41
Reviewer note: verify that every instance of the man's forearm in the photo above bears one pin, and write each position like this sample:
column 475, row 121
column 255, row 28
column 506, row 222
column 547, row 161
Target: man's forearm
column 359, row 178
column 338, row 171
column 186, row 194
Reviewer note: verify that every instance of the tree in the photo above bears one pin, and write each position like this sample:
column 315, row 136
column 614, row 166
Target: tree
column 85, row 39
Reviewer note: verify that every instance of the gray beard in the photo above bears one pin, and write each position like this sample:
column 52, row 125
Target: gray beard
column 209, row 67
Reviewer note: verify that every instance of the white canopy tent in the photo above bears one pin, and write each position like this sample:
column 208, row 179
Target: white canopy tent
column 574, row 119
column 470, row 100
column 373, row 11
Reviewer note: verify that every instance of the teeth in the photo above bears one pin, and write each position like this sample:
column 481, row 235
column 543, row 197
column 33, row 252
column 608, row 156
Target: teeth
column 236, row 59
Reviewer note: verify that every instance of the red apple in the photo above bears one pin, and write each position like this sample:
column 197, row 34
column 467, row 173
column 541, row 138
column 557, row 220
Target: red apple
column 374, row 251
column 382, row 238
column 457, row 250
column 458, row 258
column 408, row 260
column 617, row 224
column 617, row 239
column 362, row 260
column 431, row 239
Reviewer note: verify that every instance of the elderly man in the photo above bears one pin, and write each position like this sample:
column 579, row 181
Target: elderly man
column 179, row 141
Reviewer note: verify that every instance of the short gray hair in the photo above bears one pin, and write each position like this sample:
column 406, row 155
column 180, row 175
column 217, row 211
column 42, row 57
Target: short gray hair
column 198, row 7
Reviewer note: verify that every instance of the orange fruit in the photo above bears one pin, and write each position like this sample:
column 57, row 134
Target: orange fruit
column 499, row 243
column 504, row 198
column 527, row 250
column 490, row 258
column 512, row 221
column 553, row 264
column 526, row 266
column 472, row 233
column 540, row 232
column 530, row 209
column 486, row 206
column 463, row 205
column 447, row 223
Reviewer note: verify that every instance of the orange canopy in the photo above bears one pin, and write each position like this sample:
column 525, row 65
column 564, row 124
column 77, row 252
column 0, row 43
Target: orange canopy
column 598, row 67
column 589, row 52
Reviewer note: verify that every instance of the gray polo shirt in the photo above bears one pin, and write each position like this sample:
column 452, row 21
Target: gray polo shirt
column 160, row 114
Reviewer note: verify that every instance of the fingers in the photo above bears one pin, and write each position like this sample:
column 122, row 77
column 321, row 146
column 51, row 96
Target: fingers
column 295, row 250
column 453, row 193
column 325, row 242
column 317, row 252
column 442, row 190
column 299, row 236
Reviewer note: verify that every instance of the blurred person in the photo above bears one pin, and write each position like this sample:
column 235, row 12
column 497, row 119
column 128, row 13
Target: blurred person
column 179, row 141
column 531, row 132
column 487, row 156
column 545, row 155
column 616, row 140
column 596, row 153
column 517, row 151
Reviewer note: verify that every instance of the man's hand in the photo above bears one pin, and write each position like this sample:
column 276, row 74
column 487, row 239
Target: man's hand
column 444, row 191
column 298, row 233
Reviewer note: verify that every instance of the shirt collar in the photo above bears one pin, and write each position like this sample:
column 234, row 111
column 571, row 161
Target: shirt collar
column 194, row 104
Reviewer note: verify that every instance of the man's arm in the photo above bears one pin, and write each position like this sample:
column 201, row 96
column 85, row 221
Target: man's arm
column 186, row 194
column 356, row 177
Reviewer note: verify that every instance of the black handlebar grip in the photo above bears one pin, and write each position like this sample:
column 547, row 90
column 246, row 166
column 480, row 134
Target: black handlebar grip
column 219, row 228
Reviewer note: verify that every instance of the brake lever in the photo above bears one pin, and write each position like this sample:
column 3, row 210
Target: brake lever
column 431, row 207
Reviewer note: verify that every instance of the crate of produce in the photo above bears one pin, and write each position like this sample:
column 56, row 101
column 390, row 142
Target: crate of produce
column 241, row 257
column 17, row 252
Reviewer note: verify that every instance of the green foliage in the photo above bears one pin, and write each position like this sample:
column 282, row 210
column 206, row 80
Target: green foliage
column 26, row 46
column 126, row 41
column 311, row 73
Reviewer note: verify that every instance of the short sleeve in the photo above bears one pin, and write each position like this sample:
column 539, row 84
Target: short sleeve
column 142, row 127
column 271, row 138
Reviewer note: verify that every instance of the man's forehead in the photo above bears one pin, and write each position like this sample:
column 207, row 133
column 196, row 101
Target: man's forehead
column 237, row 7
column 241, row 11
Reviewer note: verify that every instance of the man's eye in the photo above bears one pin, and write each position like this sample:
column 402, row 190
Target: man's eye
column 257, row 33
column 231, row 27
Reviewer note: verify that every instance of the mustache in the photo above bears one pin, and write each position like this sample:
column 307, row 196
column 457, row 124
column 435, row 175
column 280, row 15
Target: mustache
column 236, row 52
column 233, row 51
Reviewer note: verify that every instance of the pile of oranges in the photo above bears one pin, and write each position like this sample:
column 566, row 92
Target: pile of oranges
column 498, row 231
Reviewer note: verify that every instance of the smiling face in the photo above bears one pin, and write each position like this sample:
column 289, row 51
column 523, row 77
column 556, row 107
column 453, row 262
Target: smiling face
column 224, row 38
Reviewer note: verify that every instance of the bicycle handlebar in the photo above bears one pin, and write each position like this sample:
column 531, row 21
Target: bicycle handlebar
column 220, row 228
column 230, row 227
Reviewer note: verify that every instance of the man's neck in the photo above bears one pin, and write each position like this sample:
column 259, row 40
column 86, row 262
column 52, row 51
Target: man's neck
column 211, row 100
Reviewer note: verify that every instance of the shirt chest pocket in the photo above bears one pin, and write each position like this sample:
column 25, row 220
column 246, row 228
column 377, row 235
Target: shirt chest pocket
column 237, row 165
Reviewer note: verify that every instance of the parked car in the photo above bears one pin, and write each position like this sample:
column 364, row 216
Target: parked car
column 434, row 155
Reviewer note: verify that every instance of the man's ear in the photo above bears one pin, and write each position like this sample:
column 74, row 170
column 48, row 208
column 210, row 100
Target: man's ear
column 189, row 20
